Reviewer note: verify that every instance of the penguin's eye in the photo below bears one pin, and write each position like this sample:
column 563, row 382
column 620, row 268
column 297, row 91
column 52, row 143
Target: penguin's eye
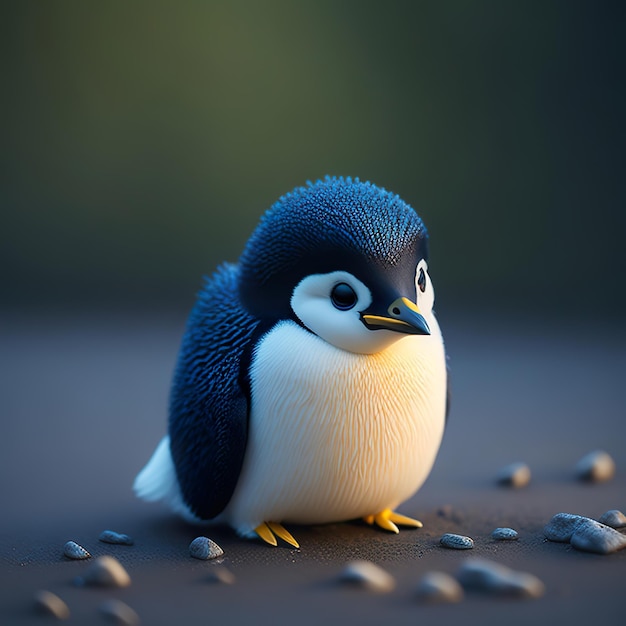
column 343, row 297
column 421, row 280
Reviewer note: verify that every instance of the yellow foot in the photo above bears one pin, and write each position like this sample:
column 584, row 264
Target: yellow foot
column 387, row 519
column 268, row 531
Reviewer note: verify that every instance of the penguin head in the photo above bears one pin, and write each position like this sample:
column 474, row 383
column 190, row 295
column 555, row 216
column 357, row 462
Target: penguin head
column 345, row 259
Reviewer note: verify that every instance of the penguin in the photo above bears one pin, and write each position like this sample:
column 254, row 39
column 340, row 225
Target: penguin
column 311, row 383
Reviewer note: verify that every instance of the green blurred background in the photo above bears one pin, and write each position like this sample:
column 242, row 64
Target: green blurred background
column 142, row 141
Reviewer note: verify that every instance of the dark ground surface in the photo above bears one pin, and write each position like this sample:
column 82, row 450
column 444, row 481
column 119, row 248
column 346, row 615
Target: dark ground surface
column 83, row 404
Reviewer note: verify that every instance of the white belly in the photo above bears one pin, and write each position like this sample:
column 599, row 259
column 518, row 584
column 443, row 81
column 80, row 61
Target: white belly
column 335, row 435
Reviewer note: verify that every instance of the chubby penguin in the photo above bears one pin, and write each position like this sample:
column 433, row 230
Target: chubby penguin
column 311, row 385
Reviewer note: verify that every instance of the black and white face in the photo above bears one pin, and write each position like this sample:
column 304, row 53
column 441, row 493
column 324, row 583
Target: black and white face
column 352, row 316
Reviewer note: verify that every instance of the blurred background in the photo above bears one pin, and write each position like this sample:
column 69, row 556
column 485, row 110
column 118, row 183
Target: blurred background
column 142, row 141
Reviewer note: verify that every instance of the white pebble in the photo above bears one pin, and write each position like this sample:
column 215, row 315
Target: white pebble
column 110, row 536
column 504, row 534
column 597, row 467
column 514, row 475
column 613, row 518
column 592, row 536
column 439, row 587
column 485, row 575
column 74, row 551
column 119, row 612
column 49, row 603
column 105, row 571
column 367, row 575
column 220, row 574
column 203, row 548
column 562, row 526
column 456, row 542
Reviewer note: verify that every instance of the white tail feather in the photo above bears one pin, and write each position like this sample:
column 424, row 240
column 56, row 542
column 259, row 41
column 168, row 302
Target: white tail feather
column 158, row 481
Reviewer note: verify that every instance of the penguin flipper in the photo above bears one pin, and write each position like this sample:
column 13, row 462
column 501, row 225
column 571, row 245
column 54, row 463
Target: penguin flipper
column 208, row 425
column 388, row 520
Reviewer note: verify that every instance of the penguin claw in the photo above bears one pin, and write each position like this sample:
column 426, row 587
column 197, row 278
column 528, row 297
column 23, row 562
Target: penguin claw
column 268, row 531
column 388, row 519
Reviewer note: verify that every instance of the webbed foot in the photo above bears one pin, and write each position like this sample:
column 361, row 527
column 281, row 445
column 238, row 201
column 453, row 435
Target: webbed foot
column 268, row 531
column 387, row 519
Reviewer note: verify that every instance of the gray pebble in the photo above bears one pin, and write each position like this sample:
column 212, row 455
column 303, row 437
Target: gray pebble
column 456, row 542
column 613, row 518
column 220, row 574
column 203, row 548
column 110, row 536
column 485, row 575
column 105, row 571
column 504, row 534
column 592, row 536
column 562, row 526
column 119, row 612
column 596, row 467
column 367, row 575
column 514, row 475
column 438, row 587
column 74, row 551
column 50, row 604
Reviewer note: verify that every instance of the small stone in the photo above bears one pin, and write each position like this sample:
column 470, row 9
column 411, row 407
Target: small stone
column 105, row 571
column 592, row 536
column 596, row 467
column 49, row 603
column 456, row 542
column 613, row 518
column 74, row 551
column 203, row 548
column 562, row 526
column 110, row 536
column 485, row 575
column 220, row 574
column 367, row 575
column 438, row 587
column 514, row 475
column 119, row 612
column 504, row 534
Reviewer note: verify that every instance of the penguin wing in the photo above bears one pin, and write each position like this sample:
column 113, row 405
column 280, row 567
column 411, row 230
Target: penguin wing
column 209, row 404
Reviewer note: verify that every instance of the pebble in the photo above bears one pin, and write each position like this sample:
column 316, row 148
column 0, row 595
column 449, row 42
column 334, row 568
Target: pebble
column 110, row 536
column 49, row 603
column 220, row 574
column 105, row 571
column 596, row 467
column 456, row 542
column 203, row 548
column 485, row 575
column 562, row 526
column 504, row 534
column 74, row 551
column 592, row 536
column 613, row 518
column 514, row 475
column 367, row 575
column 119, row 612
column 438, row 587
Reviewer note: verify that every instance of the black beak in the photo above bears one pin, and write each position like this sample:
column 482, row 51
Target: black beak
column 404, row 317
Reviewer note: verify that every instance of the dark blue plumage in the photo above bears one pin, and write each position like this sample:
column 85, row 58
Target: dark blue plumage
column 337, row 223
column 209, row 402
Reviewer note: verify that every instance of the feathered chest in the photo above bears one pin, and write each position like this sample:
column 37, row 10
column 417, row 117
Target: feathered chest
column 333, row 433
